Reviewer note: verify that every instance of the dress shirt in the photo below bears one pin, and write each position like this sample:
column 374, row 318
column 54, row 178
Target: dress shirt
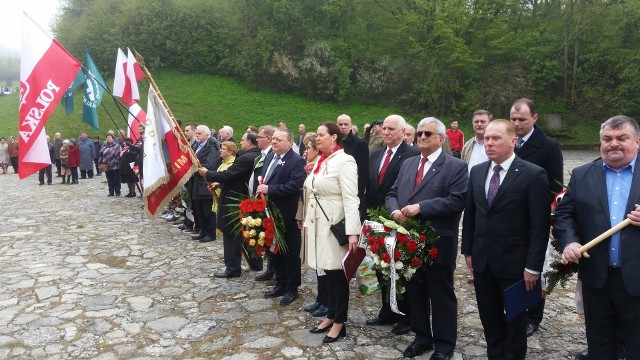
column 478, row 155
column 527, row 136
column 430, row 159
column 384, row 155
column 618, row 188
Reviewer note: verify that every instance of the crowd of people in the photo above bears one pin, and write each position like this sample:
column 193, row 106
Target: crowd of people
column 499, row 185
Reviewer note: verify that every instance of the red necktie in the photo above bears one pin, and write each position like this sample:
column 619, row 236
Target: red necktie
column 385, row 165
column 419, row 173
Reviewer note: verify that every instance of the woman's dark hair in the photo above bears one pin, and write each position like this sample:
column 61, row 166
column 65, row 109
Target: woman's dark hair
column 333, row 129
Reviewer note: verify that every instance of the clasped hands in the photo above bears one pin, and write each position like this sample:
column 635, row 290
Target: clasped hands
column 406, row 212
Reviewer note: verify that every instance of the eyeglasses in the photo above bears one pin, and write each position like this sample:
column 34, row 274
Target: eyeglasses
column 425, row 133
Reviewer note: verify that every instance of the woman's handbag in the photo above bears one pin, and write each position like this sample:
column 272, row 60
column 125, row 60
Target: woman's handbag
column 103, row 167
column 338, row 229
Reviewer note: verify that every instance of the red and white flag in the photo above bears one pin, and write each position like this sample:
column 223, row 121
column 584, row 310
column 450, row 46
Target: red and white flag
column 163, row 145
column 127, row 75
column 46, row 71
column 136, row 117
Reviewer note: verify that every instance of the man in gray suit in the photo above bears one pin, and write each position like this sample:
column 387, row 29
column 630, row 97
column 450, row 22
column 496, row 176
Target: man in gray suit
column 432, row 187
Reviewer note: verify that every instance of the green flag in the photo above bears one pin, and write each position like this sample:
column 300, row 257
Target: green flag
column 67, row 99
column 93, row 90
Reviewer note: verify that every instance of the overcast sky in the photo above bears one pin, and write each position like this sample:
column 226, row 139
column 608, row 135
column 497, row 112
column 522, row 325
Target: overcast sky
column 42, row 11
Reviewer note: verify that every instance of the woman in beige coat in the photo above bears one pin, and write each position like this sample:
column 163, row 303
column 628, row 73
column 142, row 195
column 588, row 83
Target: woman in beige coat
column 334, row 181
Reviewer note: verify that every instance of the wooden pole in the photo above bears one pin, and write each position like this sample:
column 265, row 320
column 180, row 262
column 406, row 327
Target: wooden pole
column 603, row 236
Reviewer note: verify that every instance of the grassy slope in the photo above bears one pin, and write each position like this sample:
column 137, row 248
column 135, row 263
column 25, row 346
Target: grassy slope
column 216, row 101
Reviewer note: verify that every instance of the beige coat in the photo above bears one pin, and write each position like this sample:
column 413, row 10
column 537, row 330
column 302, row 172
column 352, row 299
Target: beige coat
column 336, row 186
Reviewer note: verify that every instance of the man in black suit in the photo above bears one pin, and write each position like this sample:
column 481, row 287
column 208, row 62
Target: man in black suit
column 302, row 132
column 432, row 187
column 600, row 195
column 504, row 235
column 265, row 137
column 359, row 149
column 383, row 170
column 201, row 197
column 233, row 184
column 534, row 146
column 283, row 175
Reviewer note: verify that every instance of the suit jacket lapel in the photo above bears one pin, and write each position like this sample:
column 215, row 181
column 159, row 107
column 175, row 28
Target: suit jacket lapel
column 433, row 170
column 599, row 186
column 375, row 161
column 395, row 162
column 514, row 171
column 634, row 192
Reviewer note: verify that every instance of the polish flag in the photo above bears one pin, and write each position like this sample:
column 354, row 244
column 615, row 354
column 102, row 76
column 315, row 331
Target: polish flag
column 134, row 121
column 127, row 75
column 169, row 161
column 46, row 71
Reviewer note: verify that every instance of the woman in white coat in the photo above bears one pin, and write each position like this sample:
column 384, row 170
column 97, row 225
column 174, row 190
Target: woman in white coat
column 334, row 181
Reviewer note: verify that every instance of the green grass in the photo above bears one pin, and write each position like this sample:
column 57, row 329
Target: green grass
column 216, row 101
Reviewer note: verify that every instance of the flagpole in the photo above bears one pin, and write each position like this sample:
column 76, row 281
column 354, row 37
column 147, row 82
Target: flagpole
column 140, row 60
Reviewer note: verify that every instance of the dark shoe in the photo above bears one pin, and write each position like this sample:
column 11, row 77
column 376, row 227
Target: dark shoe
column 313, row 307
column 288, row 298
column 584, row 355
column 318, row 330
column 198, row 236
column 130, row 195
column 531, row 328
column 226, row 274
column 117, row 194
column 416, row 349
column 191, row 231
column 401, row 329
column 41, row 183
column 181, row 227
column 267, row 275
column 207, row 239
column 275, row 292
column 437, row 355
column 379, row 322
column 328, row 339
column 322, row 311
column 110, row 195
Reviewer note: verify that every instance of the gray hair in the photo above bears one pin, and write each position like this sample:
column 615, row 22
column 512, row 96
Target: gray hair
column 228, row 129
column 401, row 121
column 205, row 129
column 439, row 125
column 618, row 122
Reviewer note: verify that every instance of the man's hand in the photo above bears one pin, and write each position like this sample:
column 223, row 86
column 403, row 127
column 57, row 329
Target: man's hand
column 467, row 259
column 411, row 210
column 262, row 189
column 202, row 171
column 530, row 280
column 572, row 253
column 353, row 243
column 634, row 216
column 397, row 215
column 299, row 222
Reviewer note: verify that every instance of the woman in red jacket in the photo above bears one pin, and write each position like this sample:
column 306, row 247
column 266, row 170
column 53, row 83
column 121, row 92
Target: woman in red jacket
column 73, row 161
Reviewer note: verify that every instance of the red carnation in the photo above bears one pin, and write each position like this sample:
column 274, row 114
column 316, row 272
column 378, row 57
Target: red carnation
column 365, row 229
column 267, row 223
column 276, row 249
column 433, row 253
column 371, row 240
column 422, row 238
column 260, row 249
column 246, row 206
column 385, row 258
column 269, row 234
column 259, row 205
column 402, row 238
column 396, row 254
column 268, row 242
column 412, row 246
column 374, row 248
column 415, row 262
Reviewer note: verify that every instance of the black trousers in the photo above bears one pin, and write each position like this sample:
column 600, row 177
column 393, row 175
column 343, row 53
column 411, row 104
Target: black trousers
column 385, row 312
column 610, row 313
column 338, row 299
column 74, row 173
column 287, row 265
column 434, row 308
column 505, row 340
column 86, row 173
column 44, row 171
column 59, row 166
column 14, row 163
column 113, row 180
column 323, row 295
column 206, row 218
column 95, row 162
column 232, row 251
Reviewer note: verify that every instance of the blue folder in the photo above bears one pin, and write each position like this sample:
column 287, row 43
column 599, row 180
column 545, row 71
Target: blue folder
column 517, row 299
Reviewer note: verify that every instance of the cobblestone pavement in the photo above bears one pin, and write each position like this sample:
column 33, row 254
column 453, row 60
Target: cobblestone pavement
column 84, row 275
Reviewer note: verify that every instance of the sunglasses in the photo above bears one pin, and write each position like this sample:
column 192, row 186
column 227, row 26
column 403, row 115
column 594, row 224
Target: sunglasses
column 425, row 133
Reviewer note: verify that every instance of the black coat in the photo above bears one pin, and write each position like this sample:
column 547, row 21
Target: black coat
column 209, row 158
column 544, row 152
column 376, row 192
column 358, row 148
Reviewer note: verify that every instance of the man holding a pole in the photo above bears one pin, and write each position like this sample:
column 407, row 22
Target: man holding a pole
column 601, row 195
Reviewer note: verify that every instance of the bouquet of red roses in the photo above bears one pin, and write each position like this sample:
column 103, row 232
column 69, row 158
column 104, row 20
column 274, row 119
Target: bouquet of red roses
column 261, row 226
column 398, row 250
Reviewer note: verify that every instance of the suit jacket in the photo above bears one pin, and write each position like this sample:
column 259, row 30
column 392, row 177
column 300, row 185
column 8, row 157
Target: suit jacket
column 512, row 233
column 583, row 214
column 285, row 183
column 257, row 169
column 209, row 158
column 301, row 146
column 441, row 196
column 544, row 152
column 377, row 192
column 358, row 149
column 233, row 185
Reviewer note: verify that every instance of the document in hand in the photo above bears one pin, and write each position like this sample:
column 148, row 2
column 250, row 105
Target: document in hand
column 352, row 261
column 517, row 299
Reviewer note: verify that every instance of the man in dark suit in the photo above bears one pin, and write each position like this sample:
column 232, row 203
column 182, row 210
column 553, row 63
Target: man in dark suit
column 201, row 197
column 283, row 175
column 265, row 136
column 432, row 187
column 302, row 132
column 383, row 170
column 599, row 196
column 534, row 146
column 233, row 184
column 504, row 235
column 358, row 148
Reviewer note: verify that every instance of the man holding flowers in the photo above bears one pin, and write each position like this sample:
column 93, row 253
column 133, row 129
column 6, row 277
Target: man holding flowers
column 432, row 187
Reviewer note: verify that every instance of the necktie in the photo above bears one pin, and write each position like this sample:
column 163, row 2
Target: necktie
column 385, row 165
column 419, row 173
column 494, row 184
column 199, row 148
column 271, row 168
column 519, row 143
